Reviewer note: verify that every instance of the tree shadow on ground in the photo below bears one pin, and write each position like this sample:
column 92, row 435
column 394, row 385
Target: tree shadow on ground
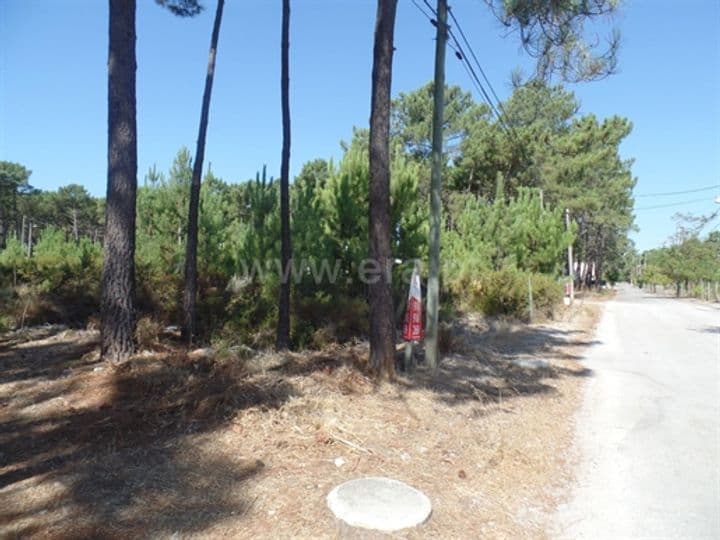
column 91, row 450
column 497, row 363
column 710, row 329
column 88, row 450
column 44, row 352
column 492, row 363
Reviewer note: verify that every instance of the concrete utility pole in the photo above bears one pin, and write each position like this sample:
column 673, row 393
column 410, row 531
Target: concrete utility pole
column 570, row 259
column 433, row 302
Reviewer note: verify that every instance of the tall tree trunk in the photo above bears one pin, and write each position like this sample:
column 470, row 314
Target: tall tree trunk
column 382, row 322
column 76, row 235
column 30, row 240
column 118, row 277
column 3, row 228
column 190, row 296
column 15, row 212
column 283, row 328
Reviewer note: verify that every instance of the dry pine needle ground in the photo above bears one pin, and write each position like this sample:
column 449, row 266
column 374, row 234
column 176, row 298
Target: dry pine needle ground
column 183, row 446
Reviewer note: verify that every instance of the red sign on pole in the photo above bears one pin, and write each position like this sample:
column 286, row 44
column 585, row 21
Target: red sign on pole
column 413, row 330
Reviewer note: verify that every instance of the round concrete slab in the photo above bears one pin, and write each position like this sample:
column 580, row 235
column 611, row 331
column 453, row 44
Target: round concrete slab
column 380, row 504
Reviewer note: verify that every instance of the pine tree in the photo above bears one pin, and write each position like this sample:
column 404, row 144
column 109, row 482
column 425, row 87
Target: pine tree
column 382, row 322
column 118, row 276
column 190, row 293
column 282, row 340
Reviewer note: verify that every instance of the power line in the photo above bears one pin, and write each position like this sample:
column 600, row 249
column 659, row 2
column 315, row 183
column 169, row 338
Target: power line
column 671, row 204
column 477, row 62
column 502, row 119
column 460, row 55
column 420, row 8
column 668, row 193
column 429, row 6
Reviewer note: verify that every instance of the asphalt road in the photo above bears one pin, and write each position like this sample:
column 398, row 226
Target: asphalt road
column 648, row 433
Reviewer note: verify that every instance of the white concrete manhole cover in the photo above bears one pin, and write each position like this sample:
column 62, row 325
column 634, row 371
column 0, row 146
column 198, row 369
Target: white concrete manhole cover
column 381, row 504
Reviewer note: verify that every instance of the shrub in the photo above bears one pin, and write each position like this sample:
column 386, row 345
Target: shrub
column 321, row 320
column 505, row 292
column 147, row 332
column 60, row 283
column 547, row 293
column 248, row 312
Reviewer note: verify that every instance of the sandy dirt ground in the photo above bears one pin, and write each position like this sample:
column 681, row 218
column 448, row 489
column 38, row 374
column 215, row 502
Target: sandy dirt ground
column 177, row 445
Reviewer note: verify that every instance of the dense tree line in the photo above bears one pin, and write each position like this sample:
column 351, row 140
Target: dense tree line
column 25, row 210
column 689, row 265
column 500, row 217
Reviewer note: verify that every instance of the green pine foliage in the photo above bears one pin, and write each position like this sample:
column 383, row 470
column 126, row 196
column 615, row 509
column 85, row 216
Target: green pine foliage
column 520, row 233
column 500, row 244
column 505, row 190
column 58, row 283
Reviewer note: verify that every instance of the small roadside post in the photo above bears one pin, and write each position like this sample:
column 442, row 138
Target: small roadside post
column 413, row 329
column 571, row 287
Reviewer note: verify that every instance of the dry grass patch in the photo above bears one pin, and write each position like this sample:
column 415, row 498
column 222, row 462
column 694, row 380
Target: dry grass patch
column 174, row 446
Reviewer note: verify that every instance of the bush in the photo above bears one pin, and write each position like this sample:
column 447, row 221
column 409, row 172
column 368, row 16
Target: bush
column 505, row 292
column 148, row 332
column 245, row 314
column 547, row 293
column 60, row 283
column 321, row 320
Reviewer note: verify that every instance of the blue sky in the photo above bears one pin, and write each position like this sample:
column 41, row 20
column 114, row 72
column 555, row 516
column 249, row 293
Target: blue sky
column 53, row 84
